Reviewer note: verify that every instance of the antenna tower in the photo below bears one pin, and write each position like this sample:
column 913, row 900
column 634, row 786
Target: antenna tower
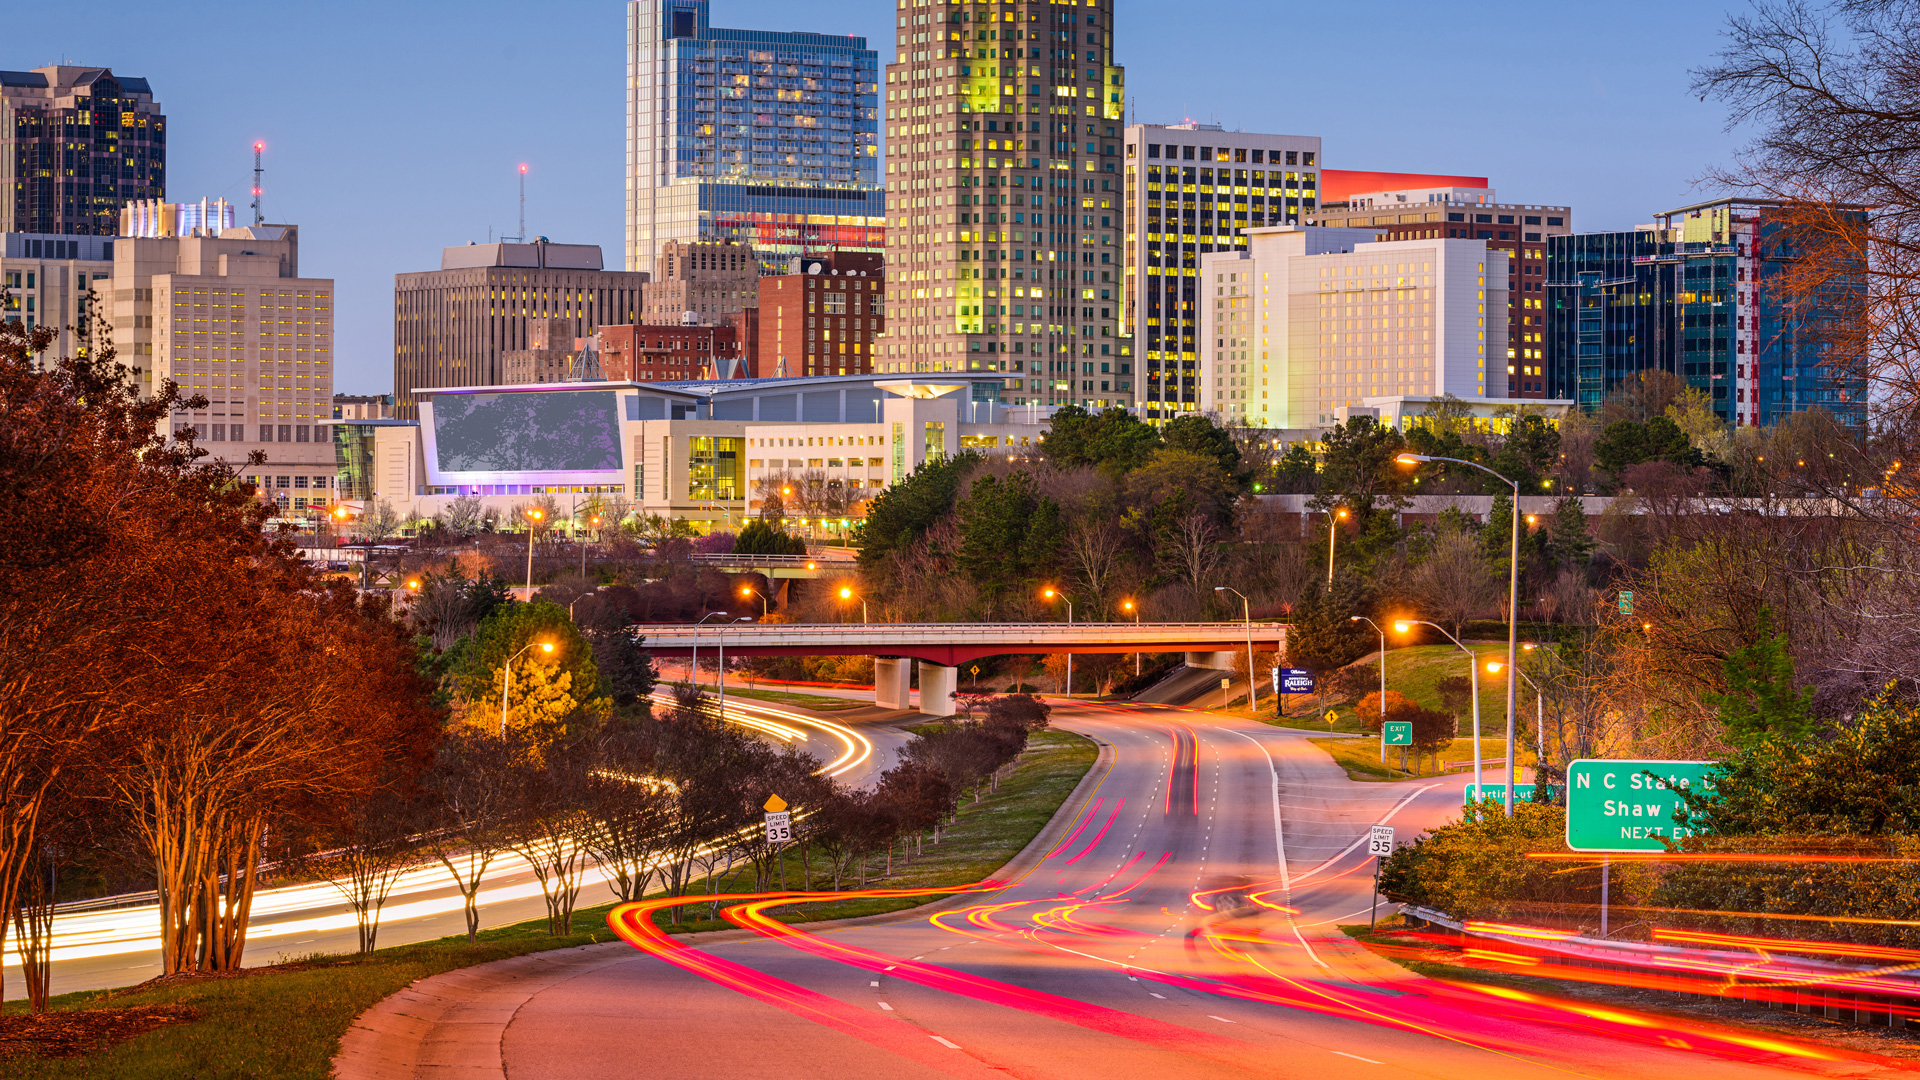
column 257, row 148
column 523, row 203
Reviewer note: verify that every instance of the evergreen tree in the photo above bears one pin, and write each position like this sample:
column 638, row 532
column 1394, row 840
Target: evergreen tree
column 1570, row 543
column 905, row 511
column 1762, row 704
column 1324, row 636
column 1010, row 536
column 1113, row 439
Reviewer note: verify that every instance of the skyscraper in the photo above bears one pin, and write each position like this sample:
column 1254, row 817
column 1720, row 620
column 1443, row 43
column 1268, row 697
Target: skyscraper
column 1192, row 190
column 769, row 139
column 1004, row 125
column 76, row 144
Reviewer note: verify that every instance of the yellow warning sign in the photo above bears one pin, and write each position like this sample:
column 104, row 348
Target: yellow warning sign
column 776, row 804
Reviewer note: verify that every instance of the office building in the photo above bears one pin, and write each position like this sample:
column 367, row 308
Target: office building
column 1338, row 186
column 824, row 318
column 709, row 281
column 768, row 139
column 1007, row 200
column 700, row 451
column 363, row 406
column 153, row 218
column 453, row 326
column 47, row 279
column 1310, row 324
column 77, row 144
column 1521, row 230
column 230, row 319
column 552, row 354
column 671, row 353
column 1192, row 190
column 1697, row 294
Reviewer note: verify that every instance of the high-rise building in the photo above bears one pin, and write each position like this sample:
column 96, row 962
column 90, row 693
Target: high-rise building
column 1193, row 189
column 1007, row 201
column 153, row 218
column 452, row 326
column 1454, row 211
column 77, row 144
column 710, row 280
column 229, row 318
column 1697, row 294
column 46, row 280
column 823, row 318
column 1310, row 323
column 767, row 139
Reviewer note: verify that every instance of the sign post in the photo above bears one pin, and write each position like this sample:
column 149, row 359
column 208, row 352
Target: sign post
column 1291, row 681
column 779, row 829
column 1379, row 845
column 1628, row 806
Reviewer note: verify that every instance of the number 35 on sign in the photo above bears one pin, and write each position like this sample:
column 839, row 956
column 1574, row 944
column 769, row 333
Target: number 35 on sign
column 779, row 821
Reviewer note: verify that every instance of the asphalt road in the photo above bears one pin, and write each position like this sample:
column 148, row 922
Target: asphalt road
column 1104, row 961
column 97, row 950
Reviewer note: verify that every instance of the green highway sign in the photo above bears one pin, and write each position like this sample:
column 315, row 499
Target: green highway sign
column 1399, row 733
column 1498, row 793
column 1617, row 806
column 1626, row 602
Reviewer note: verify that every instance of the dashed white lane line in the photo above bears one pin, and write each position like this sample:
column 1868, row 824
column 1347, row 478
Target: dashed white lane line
column 1357, row 1057
column 873, row 984
column 886, row 1006
column 943, row 1042
column 1162, row 997
column 1222, row 1019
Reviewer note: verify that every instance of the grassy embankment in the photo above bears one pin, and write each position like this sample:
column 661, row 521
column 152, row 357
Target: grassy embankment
column 287, row 1023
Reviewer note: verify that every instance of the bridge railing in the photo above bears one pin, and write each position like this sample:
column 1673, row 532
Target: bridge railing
column 774, row 562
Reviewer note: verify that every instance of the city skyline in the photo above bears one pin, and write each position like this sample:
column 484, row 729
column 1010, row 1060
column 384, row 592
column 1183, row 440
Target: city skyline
column 379, row 190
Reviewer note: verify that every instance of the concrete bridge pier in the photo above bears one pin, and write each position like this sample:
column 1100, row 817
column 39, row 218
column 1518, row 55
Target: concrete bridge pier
column 937, row 687
column 891, row 679
column 1218, row 661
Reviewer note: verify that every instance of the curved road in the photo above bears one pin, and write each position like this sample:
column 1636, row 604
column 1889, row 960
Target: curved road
column 1104, row 960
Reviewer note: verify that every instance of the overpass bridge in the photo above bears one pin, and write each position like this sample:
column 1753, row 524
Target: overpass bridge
column 940, row 648
column 780, row 566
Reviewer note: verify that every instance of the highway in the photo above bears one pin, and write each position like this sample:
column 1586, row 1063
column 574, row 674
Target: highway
column 100, row 949
column 1104, row 960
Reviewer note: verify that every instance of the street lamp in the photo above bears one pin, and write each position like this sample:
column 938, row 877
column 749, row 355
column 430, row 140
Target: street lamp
column 595, row 522
column 544, row 646
column 533, row 523
column 1513, row 606
column 1134, row 609
column 1383, row 681
column 748, row 592
column 721, row 635
column 846, row 593
column 1050, row 592
column 1333, row 519
column 1246, row 613
column 693, row 665
column 1539, row 720
column 1473, row 670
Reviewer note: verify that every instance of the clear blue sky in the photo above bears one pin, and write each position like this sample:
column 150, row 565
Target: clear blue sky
column 394, row 129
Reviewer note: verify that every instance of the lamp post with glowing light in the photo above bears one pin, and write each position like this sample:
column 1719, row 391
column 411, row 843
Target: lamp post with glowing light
column 1473, row 670
column 1540, row 715
column 595, row 522
column 1383, row 681
column 1050, row 593
column 533, row 525
column 1513, row 612
column 693, row 663
column 1333, row 519
column 1246, row 613
column 846, row 594
column 507, row 688
column 1133, row 609
column 748, row 592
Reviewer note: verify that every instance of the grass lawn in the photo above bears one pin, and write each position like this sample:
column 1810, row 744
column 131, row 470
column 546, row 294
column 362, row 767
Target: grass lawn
column 788, row 697
column 288, row 1023
column 1361, row 758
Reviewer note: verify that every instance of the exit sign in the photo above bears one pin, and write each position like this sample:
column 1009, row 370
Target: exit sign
column 1629, row 805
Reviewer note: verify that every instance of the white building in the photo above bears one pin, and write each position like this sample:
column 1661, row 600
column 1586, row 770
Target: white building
column 1308, row 322
column 46, row 279
column 699, row 451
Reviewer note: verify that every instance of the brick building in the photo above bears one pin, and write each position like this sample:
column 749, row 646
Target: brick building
column 654, row 353
column 823, row 317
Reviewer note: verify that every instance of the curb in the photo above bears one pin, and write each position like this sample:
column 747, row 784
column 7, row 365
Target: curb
column 453, row 1024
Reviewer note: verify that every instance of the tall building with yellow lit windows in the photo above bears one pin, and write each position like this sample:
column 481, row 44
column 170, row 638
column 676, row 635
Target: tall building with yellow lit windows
column 453, row 326
column 1006, row 200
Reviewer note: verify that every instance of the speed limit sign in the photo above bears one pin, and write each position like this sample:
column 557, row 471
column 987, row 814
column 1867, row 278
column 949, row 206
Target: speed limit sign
column 1380, row 841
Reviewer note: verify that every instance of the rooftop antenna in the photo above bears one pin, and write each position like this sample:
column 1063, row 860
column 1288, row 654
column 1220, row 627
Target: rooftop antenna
column 522, row 238
column 257, row 148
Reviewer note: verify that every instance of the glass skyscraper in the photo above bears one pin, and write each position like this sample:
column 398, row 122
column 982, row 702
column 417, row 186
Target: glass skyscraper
column 769, row 139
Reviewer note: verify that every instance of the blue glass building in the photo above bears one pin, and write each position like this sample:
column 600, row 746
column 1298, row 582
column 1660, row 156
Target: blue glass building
column 765, row 138
column 1698, row 295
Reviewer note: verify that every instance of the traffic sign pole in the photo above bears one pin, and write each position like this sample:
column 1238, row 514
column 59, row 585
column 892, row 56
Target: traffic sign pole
column 1379, row 845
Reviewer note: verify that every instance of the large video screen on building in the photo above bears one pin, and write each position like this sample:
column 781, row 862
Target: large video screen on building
column 537, row 431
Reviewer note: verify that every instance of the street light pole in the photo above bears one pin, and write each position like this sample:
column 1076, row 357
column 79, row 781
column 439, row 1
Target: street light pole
column 1333, row 518
column 1513, row 609
column 534, row 517
column 721, row 636
column 1473, row 670
column 507, row 688
column 1539, row 721
column 847, row 594
column 1383, row 683
column 1246, row 614
column 583, row 547
column 1129, row 605
column 693, row 665
column 1050, row 594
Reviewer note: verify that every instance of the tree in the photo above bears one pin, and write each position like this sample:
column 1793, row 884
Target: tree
column 546, row 820
column 1324, row 636
column 625, row 810
column 1113, row 439
column 1192, row 480
column 376, row 846
column 1358, row 467
column 1455, row 581
column 463, row 516
column 1010, row 537
column 1569, row 542
column 1198, row 434
column 1692, row 412
column 541, row 679
column 1298, row 472
column 382, row 523
column 758, row 537
column 1762, row 703
column 905, row 511
column 1626, row 443
column 472, row 790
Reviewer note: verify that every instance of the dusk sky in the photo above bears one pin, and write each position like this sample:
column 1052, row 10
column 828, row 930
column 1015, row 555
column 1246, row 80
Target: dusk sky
column 395, row 129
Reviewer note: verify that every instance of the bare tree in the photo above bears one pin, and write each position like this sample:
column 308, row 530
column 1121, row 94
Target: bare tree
column 378, row 847
column 1097, row 551
column 472, row 788
column 1190, row 550
column 1455, row 582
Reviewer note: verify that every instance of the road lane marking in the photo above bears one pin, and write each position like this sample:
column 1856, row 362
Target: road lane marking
column 873, row 984
column 1222, row 1019
column 1399, row 806
column 1357, row 1057
column 886, row 1006
column 1162, row 997
column 943, row 1042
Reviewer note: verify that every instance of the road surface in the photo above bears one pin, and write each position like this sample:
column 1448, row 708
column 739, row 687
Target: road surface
column 1104, row 962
